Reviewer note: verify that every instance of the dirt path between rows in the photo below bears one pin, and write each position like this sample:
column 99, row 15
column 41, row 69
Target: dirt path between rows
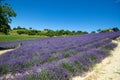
column 108, row 69
column 4, row 51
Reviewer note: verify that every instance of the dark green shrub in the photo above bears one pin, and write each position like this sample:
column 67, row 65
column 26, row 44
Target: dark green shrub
column 22, row 32
column 32, row 32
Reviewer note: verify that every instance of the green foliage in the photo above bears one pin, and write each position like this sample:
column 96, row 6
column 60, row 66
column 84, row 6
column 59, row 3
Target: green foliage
column 41, row 33
column 50, row 33
column 36, row 54
column 52, row 58
column 108, row 48
column 4, row 29
column 19, row 28
column 93, row 32
column 68, row 67
column 16, row 38
column 44, row 75
column 62, row 32
column 22, row 32
column 99, row 30
column 93, row 58
column 47, row 32
column 67, row 55
column 78, row 65
column 32, row 32
column 6, row 12
column 30, row 28
column 3, row 69
column 29, row 63
column 105, row 30
column 115, row 29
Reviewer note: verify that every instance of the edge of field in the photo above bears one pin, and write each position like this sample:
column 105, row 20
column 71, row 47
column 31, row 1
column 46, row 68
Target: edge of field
column 4, row 51
column 108, row 69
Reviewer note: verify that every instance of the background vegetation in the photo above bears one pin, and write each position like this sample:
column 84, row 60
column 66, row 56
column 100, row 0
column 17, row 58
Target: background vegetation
column 21, row 33
column 6, row 12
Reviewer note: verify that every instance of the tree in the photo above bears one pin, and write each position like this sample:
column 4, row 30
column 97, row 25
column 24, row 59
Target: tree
column 99, row 30
column 6, row 12
column 19, row 28
column 32, row 32
column 67, row 32
column 115, row 29
column 50, row 33
column 30, row 28
column 79, row 32
column 93, row 32
column 61, row 32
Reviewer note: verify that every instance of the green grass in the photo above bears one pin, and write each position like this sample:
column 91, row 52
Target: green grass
column 5, row 38
column 68, row 67
column 3, row 69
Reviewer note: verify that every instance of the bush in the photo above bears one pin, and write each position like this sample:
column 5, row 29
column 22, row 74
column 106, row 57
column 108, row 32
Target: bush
column 22, row 32
column 32, row 32
column 50, row 33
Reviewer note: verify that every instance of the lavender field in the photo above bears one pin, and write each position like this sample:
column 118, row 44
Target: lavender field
column 57, row 58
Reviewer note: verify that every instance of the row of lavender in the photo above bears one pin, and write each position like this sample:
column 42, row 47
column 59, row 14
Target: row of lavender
column 55, row 58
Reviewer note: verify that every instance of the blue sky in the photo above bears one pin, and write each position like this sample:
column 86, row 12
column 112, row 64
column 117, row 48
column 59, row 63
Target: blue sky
column 85, row 15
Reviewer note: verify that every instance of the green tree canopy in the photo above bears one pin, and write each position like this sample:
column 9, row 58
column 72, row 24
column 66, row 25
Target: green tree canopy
column 6, row 12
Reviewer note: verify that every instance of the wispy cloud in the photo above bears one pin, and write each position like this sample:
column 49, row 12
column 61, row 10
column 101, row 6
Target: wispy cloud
column 117, row 1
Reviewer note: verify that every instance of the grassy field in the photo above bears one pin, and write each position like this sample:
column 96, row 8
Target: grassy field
column 6, row 38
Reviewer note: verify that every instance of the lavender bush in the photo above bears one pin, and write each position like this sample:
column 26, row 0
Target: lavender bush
column 57, row 58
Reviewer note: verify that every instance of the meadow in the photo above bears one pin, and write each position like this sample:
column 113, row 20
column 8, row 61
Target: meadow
column 6, row 38
column 56, row 58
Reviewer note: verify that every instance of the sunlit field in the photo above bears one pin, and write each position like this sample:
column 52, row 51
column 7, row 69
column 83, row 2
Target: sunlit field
column 59, row 39
column 5, row 38
column 57, row 58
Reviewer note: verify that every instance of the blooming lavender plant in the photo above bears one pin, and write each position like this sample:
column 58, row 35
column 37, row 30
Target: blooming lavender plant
column 56, row 58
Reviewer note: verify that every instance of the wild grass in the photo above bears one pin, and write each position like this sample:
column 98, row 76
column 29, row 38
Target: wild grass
column 6, row 38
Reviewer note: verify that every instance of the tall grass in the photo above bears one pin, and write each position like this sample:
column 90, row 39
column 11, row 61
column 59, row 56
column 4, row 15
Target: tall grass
column 5, row 38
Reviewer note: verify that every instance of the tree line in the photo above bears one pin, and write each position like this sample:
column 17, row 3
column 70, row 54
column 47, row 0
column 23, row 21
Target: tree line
column 114, row 29
column 48, row 32
column 62, row 32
